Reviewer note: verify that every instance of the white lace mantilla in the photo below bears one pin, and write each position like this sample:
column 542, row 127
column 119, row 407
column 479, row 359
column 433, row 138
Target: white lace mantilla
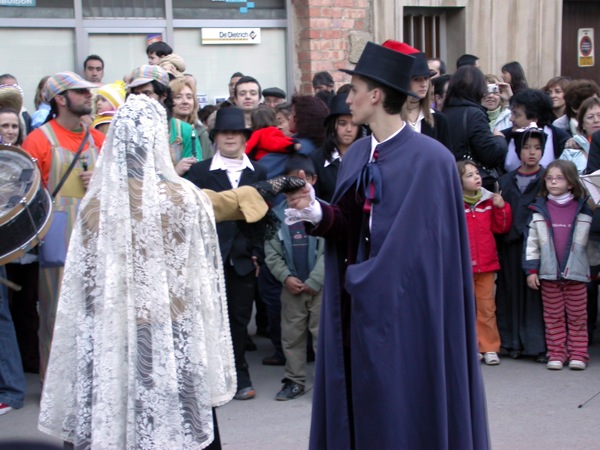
column 141, row 349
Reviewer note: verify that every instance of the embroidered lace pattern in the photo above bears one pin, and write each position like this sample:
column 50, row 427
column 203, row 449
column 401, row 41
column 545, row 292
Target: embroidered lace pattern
column 141, row 349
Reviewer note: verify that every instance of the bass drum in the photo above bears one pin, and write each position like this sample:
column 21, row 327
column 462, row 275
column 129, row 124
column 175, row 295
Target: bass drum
column 25, row 205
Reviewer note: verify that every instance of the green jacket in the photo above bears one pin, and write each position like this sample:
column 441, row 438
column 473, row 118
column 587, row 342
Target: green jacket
column 278, row 254
column 180, row 140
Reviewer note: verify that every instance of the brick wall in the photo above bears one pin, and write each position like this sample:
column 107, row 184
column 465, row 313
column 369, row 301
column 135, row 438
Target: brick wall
column 323, row 43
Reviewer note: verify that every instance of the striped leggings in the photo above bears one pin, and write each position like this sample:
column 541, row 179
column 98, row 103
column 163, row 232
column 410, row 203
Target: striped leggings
column 566, row 339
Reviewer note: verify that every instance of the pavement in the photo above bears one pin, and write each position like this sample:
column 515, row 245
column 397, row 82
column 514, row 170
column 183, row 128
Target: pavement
column 529, row 408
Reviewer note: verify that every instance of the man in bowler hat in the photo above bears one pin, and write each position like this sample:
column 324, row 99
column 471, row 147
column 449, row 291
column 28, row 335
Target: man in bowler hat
column 397, row 363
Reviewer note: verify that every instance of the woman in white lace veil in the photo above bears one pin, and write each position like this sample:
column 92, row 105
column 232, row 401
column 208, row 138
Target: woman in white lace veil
column 141, row 350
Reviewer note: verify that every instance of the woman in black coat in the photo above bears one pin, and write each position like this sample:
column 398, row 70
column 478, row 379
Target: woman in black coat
column 340, row 133
column 471, row 134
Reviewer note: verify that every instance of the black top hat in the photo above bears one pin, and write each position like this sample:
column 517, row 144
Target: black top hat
column 273, row 92
column 230, row 119
column 420, row 68
column 338, row 107
column 385, row 66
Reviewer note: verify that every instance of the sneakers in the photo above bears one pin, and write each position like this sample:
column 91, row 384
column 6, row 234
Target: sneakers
column 290, row 391
column 577, row 365
column 4, row 408
column 491, row 359
column 554, row 365
column 245, row 393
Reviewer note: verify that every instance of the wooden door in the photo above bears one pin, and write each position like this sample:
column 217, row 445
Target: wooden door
column 579, row 14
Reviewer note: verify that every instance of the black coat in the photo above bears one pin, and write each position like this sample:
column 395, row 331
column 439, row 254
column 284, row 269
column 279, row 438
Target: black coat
column 326, row 176
column 471, row 132
column 440, row 132
column 236, row 247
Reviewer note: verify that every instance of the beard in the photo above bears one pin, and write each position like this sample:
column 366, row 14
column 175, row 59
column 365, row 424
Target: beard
column 78, row 110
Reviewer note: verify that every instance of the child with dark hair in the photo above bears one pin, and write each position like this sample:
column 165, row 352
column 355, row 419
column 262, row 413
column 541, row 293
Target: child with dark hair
column 156, row 51
column 296, row 260
column 519, row 308
column 556, row 260
column 534, row 105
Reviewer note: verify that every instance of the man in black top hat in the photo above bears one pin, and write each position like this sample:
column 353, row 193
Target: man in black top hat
column 242, row 253
column 397, row 363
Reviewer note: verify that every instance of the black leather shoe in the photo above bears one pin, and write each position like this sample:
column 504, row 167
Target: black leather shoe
column 245, row 393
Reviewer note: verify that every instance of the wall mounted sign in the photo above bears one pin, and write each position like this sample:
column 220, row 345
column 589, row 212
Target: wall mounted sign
column 585, row 47
column 17, row 2
column 220, row 36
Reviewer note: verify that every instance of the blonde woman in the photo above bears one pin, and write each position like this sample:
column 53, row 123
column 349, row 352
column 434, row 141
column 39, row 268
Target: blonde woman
column 185, row 108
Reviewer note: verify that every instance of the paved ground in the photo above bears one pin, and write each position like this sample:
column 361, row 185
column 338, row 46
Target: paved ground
column 529, row 408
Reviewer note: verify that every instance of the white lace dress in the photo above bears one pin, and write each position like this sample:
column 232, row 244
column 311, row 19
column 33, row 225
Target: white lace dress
column 141, row 349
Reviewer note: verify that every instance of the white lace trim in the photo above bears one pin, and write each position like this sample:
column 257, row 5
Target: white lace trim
column 142, row 348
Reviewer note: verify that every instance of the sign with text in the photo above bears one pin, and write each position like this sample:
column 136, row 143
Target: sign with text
column 17, row 2
column 585, row 47
column 219, row 36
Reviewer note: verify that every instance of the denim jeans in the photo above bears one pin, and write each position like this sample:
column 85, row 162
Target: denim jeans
column 12, row 378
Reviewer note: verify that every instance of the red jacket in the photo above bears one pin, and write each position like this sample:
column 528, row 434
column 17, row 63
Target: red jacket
column 268, row 140
column 483, row 221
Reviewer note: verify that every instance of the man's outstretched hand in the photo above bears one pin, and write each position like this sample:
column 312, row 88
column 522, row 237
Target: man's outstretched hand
column 269, row 189
column 301, row 198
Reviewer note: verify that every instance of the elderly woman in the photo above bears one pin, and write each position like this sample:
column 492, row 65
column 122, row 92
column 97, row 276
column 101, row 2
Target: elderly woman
column 142, row 349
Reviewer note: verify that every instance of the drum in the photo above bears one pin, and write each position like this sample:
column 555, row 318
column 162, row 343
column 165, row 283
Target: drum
column 25, row 205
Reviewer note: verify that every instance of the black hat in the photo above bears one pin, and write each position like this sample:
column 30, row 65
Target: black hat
column 273, row 92
column 338, row 107
column 522, row 134
column 385, row 66
column 230, row 119
column 420, row 67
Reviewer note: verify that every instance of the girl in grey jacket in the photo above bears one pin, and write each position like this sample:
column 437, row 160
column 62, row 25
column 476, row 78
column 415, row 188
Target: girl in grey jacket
column 555, row 259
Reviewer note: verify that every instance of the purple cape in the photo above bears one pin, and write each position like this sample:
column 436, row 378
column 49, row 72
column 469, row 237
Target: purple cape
column 415, row 379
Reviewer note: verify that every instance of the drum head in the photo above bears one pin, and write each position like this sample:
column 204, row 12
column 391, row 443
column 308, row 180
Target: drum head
column 19, row 180
column 25, row 206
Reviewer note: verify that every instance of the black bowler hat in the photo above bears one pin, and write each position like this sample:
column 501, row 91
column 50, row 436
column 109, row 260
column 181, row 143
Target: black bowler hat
column 230, row 119
column 338, row 107
column 385, row 66
column 273, row 92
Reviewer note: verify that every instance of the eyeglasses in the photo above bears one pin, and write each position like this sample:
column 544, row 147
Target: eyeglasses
column 550, row 179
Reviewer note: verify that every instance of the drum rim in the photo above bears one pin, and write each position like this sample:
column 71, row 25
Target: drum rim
column 20, row 251
column 35, row 186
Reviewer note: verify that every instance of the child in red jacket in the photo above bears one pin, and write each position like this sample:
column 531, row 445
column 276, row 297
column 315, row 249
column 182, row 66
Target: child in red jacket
column 487, row 214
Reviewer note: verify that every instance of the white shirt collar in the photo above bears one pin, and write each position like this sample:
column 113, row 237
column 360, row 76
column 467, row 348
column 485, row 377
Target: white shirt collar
column 374, row 142
column 335, row 154
column 217, row 162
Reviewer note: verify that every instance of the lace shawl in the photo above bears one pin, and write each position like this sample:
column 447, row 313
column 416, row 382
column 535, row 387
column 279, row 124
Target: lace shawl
column 142, row 348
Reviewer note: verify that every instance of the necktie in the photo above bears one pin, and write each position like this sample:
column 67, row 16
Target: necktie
column 371, row 183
